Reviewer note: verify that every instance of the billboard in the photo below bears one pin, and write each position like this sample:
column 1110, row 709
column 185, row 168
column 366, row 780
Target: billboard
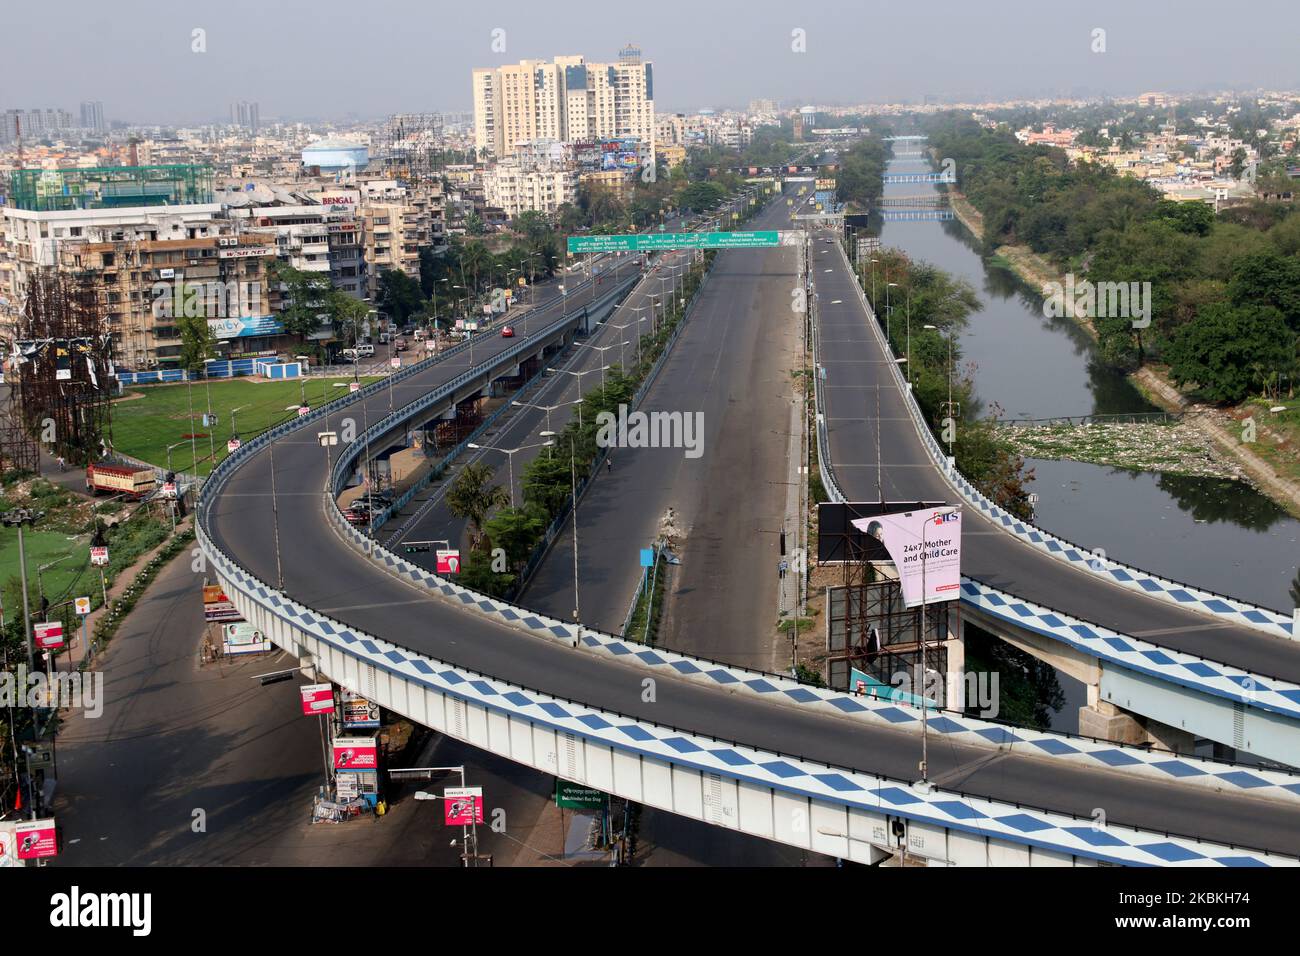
column 358, row 711
column 243, row 638
column 355, row 753
column 236, row 327
column 621, row 154
column 317, row 698
column 35, row 839
column 462, row 806
column 8, row 844
column 99, row 556
column 448, row 561
column 218, row 607
column 49, row 634
column 925, row 546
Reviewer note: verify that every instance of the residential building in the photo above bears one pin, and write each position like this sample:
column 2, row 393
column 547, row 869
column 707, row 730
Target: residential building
column 568, row 100
column 246, row 115
column 515, row 187
column 92, row 116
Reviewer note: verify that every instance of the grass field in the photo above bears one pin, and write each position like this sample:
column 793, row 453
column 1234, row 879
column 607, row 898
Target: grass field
column 143, row 427
column 44, row 547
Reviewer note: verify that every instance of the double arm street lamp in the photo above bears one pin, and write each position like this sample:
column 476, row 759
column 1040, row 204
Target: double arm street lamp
column 578, row 376
column 547, row 409
column 623, row 340
column 510, row 457
column 602, row 349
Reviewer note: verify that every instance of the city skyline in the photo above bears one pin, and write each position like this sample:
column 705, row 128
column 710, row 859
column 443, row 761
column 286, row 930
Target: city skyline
column 719, row 59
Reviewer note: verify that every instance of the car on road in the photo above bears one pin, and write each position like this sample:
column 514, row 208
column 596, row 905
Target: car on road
column 349, row 355
column 507, row 333
column 365, row 350
column 401, row 345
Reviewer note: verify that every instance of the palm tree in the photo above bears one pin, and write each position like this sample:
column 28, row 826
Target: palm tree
column 471, row 497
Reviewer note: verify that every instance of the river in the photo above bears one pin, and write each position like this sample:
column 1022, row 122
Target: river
column 1220, row 535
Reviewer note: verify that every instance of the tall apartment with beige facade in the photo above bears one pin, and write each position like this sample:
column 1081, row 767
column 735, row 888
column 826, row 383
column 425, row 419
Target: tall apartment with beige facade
column 568, row 99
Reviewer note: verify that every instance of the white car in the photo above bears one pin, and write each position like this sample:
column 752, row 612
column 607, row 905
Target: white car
column 365, row 350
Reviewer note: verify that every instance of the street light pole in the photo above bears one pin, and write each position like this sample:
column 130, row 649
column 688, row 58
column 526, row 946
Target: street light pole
column 573, row 478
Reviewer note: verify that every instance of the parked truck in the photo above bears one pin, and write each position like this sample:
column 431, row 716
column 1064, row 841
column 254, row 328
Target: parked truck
column 127, row 480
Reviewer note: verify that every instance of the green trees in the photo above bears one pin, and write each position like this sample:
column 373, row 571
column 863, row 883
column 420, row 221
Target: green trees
column 471, row 497
column 305, row 300
column 1231, row 350
column 399, row 295
column 858, row 180
column 198, row 342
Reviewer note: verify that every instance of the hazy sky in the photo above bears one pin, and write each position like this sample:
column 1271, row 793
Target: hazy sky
column 335, row 58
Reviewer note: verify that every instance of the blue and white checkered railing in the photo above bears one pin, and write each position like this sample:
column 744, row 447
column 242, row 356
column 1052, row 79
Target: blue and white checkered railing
column 788, row 691
column 1005, row 822
column 1208, row 602
column 1019, row 825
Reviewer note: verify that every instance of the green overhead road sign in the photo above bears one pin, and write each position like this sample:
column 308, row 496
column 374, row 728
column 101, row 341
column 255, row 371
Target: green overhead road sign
column 570, row 796
column 655, row 242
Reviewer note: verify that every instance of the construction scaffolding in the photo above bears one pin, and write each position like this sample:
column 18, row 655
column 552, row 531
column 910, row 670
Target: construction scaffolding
column 108, row 187
column 412, row 144
column 62, row 368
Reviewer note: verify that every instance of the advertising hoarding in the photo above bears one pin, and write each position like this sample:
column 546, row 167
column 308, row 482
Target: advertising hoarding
column 448, row 561
column 358, row 711
column 925, row 546
column 621, row 154
column 462, row 806
column 218, row 607
column 49, row 634
column 243, row 638
column 8, row 844
column 239, row 328
column 99, row 556
column 36, row 839
column 355, row 753
column 317, row 698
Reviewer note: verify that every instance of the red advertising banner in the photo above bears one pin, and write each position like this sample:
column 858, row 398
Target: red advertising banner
column 448, row 562
column 356, row 753
column 462, row 806
column 36, row 839
column 48, row 634
column 99, row 556
column 317, row 698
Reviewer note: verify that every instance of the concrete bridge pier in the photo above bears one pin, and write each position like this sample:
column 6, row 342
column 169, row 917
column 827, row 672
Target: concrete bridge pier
column 1102, row 719
column 1098, row 717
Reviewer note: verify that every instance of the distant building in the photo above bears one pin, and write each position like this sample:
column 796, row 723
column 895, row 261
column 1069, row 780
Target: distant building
column 92, row 116
column 568, row 100
column 246, row 116
column 335, row 155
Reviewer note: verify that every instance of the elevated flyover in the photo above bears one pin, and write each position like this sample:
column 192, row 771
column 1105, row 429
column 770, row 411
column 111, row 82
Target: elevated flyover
column 1193, row 661
column 754, row 752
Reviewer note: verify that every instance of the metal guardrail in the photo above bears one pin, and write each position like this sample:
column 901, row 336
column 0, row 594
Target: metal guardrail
column 964, row 487
column 554, row 529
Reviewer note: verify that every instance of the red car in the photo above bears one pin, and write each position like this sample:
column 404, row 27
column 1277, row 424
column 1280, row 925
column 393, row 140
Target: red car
column 507, row 333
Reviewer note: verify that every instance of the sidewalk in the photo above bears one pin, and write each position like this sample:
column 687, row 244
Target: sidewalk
column 76, row 649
